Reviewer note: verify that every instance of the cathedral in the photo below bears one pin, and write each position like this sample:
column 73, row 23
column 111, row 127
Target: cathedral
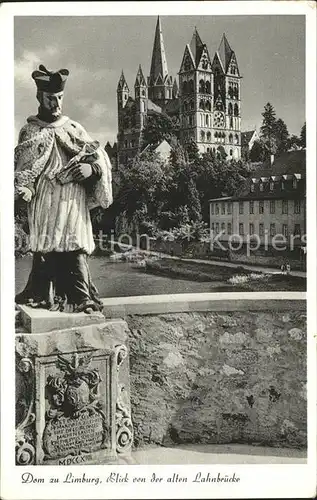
column 205, row 103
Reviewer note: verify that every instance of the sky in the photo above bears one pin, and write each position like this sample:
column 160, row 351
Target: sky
column 270, row 51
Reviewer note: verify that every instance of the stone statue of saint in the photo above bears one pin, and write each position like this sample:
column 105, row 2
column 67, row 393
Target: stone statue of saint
column 61, row 173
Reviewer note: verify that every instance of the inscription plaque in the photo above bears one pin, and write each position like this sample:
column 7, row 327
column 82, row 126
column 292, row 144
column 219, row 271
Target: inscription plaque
column 73, row 396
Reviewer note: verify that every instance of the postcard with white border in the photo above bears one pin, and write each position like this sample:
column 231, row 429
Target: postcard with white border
column 158, row 250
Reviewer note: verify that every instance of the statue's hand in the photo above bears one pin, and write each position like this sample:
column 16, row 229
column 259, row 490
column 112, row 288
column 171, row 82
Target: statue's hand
column 26, row 193
column 81, row 172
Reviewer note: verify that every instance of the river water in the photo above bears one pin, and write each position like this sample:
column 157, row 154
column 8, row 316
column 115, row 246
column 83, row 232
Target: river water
column 122, row 280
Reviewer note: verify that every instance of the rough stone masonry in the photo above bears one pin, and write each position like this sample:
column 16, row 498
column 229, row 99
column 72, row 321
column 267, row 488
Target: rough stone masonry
column 219, row 378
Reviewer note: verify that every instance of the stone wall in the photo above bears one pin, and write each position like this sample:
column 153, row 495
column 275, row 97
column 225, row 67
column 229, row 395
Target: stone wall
column 216, row 377
column 260, row 257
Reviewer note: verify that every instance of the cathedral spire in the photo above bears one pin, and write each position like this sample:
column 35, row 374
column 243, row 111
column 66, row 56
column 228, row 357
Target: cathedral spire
column 225, row 52
column 159, row 63
column 196, row 46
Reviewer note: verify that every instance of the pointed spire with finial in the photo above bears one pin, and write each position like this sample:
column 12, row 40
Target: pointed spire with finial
column 122, row 84
column 225, row 52
column 158, row 63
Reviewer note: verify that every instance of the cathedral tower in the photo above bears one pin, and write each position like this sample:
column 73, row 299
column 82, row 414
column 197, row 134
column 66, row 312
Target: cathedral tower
column 227, row 102
column 160, row 84
column 196, row 94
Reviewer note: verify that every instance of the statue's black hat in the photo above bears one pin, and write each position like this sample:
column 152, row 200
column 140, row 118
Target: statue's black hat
column 49, row 81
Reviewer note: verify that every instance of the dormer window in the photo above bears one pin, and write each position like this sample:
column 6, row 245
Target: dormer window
column 261, row 186
column 271, row 186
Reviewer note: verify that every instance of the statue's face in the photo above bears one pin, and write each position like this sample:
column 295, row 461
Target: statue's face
column 53, row 103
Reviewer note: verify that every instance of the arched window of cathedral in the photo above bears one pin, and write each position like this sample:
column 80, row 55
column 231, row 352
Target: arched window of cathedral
column 231, row 122
column 223, row 137
column 192, row 105
column 185, row 106
column 202, row 136
column 236, row 110
column 187, row 64
column 230, row 139
column 236, row 91
column 191, row 86
column 231, row 152
column 208, row 136
column 125, row 144
column 230, row 91
column 201, row 104
column 216, row 136
column 207, row 87
column 207, row 120
column 208, row 105
column 143, row 93
column 185, row 87
column 230, row 109
column 205, row 64
column 236, row 139
column 201, row 86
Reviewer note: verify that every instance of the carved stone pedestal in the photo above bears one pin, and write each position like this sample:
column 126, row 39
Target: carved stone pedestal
column 73, row 396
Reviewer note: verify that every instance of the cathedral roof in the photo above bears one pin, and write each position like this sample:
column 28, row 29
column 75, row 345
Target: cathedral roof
column 159, row 63
column 196, row 47
column 140, row 80
column 225, row 52
column 122, row 84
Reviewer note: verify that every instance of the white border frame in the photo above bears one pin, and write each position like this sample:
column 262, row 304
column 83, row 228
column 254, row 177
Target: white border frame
column 257, row 481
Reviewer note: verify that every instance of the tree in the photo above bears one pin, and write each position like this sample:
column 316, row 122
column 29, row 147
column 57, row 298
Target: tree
column 268, row 129
column 258, row 152
column 192, row 152
column 294, row 142
column 282, row 136
column 158, row 127
column 303, row 136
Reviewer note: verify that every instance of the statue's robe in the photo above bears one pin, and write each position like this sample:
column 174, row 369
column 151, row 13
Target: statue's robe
column 61, row 235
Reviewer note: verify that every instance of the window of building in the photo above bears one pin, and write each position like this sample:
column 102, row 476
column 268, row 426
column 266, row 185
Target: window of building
column 294, row 183
column 191, row 86
column 229, row 208
column 230, row 109
column 297, row 207
column 252, row 188
column 271, row 186
column 223, row 208
column 212, row 226
column 241, row 228
column 208, row 136
column 251, row 206
column 212, row 208
column 217, row 209
column 272, row 230
column 229, row 228
column 202, row 135
column 285, row 207
column 207, row 87
column 272, row 207
column 231, row 122
column 202, row 87
column 251, row 228
column 125, row 144
column 297, row 229
column 208, row 105
column 236, row 110
column 207, row 120
column 240, row 207
column 231, row 152
column 236, row 139
column 133, row 143
column 192, row 105
column 282, row 185
column 261, row 229
column 201, row 104
column 223, row 227
column 230, row 139
column 261, row 186
column 285, row 230
column 261, row 207
column 217, row 227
